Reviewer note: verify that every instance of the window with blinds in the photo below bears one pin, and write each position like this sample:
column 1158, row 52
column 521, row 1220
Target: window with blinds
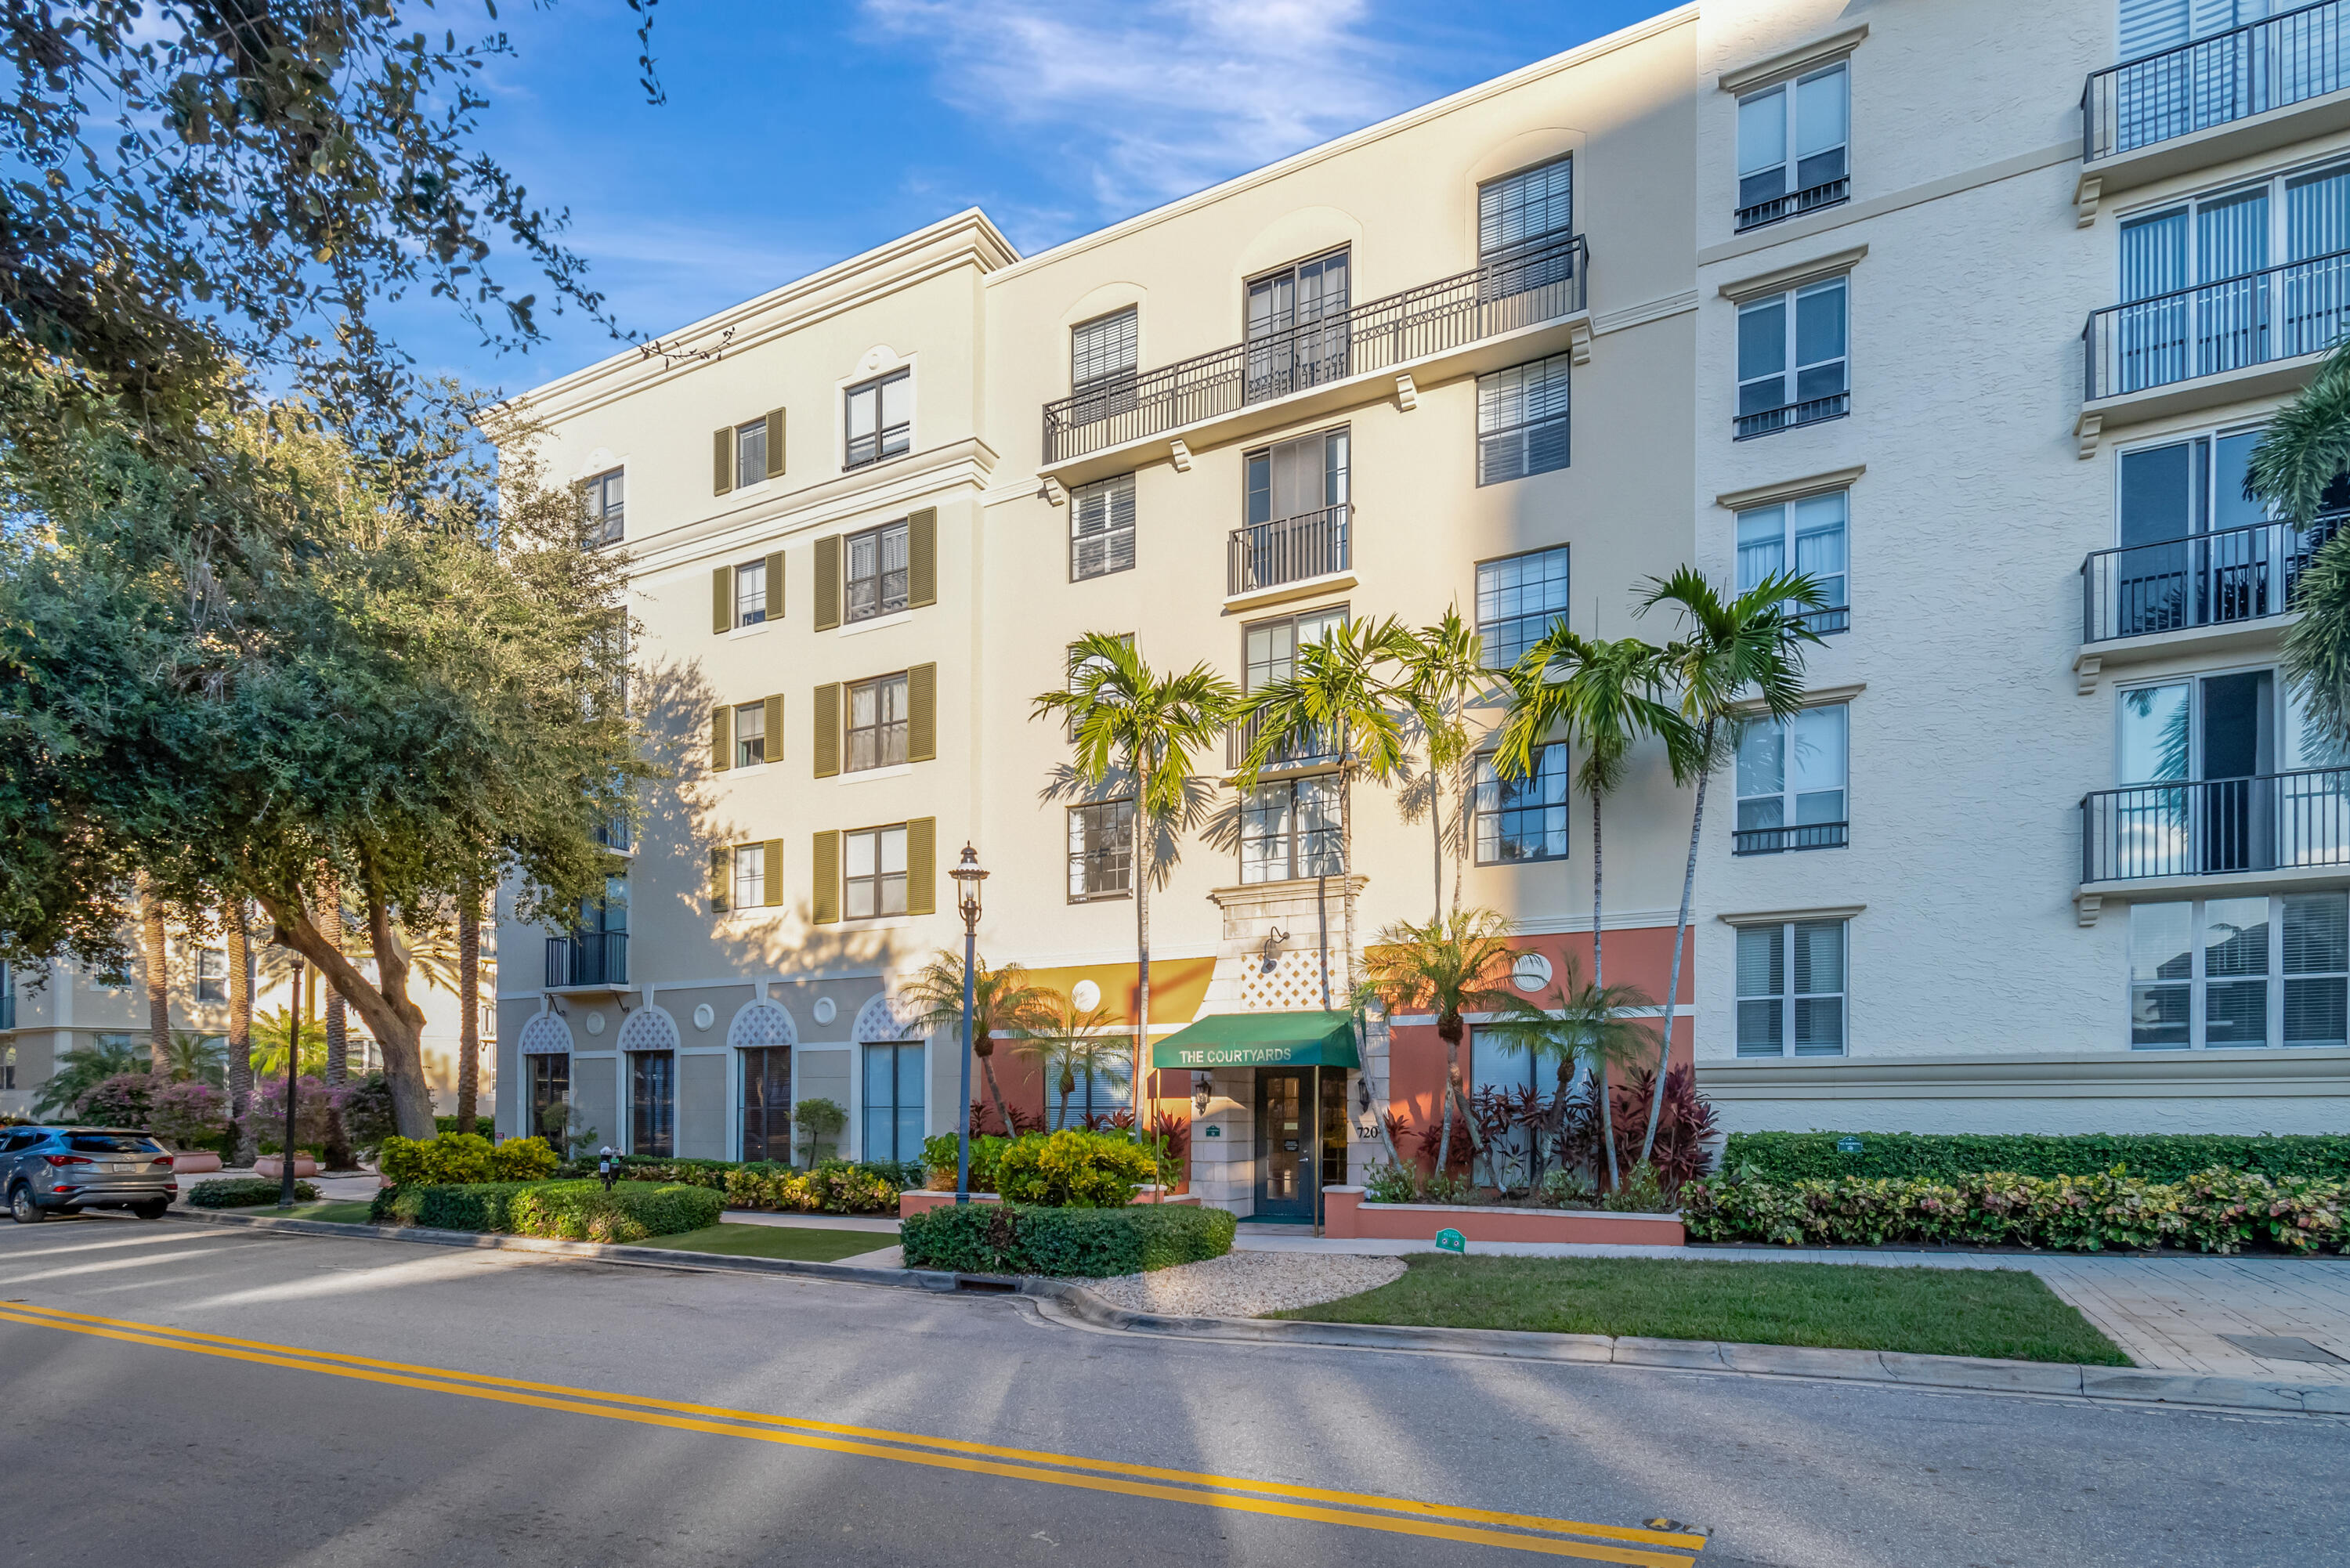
column 1526, row 208
column 1522, row 420
column 879, row 416
column 1101, row 527
column 1790, row 989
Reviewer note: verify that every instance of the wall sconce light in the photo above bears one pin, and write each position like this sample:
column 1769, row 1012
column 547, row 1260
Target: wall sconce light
column 1199, row 1091
column 1270, row 952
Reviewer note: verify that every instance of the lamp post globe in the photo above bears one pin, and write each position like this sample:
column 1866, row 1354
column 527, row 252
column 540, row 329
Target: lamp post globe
column 968, row 876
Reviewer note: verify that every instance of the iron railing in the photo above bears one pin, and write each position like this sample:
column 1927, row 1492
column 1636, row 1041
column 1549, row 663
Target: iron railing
column 1820, row 622
column 2216, row 827
column 2253, row 318
column 2204, row 579
column 1288, row 550
column 1775, row 840
column 1811, row 410
column 1811, row 199
column 1534, row 283
column 592, row 958
column 1310, row 750
column 2261, row 66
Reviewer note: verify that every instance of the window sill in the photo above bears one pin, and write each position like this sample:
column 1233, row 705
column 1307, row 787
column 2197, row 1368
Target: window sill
column 1527, row 860
column 1125, row 897
column 877, row 923
column 753, row 769
column 753, row 630
column 869, row 775
column 871, row 463
column 875, row 623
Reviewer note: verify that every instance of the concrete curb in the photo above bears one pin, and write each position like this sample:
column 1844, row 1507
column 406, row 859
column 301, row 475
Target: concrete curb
column 2119, row 1384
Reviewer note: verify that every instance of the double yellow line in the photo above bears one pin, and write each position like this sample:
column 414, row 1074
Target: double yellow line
column 1397, row 1516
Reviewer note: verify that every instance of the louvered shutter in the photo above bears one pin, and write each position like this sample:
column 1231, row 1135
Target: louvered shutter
column 721, row 461
column 922, row 866
column 827, row 582
column 922, row 558
column 722, row 738
column 721, row 864
column 775, row 728
column 774, row 443
column 774, row 871
column 827, row 709
column 774, row 585
column 923, row 713
column 722, row 600
column 824, row 903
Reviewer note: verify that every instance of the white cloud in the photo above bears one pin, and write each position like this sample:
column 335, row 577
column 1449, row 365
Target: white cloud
column 1154, row 99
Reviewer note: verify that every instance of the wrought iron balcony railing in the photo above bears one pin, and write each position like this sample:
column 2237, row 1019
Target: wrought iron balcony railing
column 2253, row 318
column 1811, row 199
column 1811, row 410
column 1288, row 550
column 594, row 957
column 2270, row 64
column 1533, row 283
column 2216, row 827
column 1309, row 751
column 2205, row 579
column 1777, row 840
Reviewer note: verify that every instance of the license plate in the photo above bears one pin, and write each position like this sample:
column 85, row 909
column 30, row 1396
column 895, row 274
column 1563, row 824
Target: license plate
column 113, row 1167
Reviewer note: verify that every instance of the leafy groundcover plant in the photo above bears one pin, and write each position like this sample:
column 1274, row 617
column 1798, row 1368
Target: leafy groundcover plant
column 1086, row 1243
column 244, row 1192
column 571, row 1210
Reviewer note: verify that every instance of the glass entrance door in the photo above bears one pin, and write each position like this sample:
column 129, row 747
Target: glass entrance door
column 767, row 1104
column 1285, row 1144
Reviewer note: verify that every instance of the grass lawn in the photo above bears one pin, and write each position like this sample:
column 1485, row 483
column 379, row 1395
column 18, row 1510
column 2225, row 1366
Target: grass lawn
column 2004, row 1312
column 332, row 1213
column 809, row 1245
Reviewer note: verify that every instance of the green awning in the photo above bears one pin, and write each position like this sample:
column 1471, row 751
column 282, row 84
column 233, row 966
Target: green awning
column 1261, row 1040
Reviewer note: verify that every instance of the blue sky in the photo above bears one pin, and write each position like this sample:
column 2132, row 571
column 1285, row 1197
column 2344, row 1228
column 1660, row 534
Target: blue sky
column 796, row 132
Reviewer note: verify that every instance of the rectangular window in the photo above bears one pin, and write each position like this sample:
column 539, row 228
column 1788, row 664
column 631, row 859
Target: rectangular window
column 212, row 974
column 1294, row 512
column 1791, row 783
column 877, row 571
column 1101, row 527
column 1522, row 420
column 1290, row 830
column 1525, row 224
column 750, row 876
column 1794, row 146
column 1269, row 650
column 1792, row 362
column 750, row 735
column 1518, row 597
column 1296, row 328
column 893, row 1101
column 1102, row 366
column 2228, row 973
column 1101, row 851
column 877, row 723
column 1790, row 989
column 1807, row 536
column 751, row 592
column 653, row 1103
column 873, row 872
column 1514, row 820
column 880, row 417
column 1095, row 1096
column 550, row 1097
column 751, row 453
column 607, row 517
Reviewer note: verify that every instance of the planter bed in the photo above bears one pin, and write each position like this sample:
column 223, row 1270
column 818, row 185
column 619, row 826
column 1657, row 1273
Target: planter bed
column 1347, row 1216
column 922, row 1200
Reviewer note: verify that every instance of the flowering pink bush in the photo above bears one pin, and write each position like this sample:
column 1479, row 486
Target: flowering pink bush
column 121, row 1101
column 185, row 1115
column 309, row 1114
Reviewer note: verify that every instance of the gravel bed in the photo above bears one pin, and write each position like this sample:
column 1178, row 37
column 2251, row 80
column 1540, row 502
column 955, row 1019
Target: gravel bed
column 1248, row 1284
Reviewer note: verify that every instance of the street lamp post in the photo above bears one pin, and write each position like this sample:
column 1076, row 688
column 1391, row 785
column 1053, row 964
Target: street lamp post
column 968, row 876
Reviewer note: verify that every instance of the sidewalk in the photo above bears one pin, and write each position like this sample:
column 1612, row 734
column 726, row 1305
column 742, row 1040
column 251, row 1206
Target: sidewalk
column 2171, row 1313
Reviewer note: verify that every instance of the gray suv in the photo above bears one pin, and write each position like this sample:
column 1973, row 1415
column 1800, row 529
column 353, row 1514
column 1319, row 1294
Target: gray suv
column 46, row 1170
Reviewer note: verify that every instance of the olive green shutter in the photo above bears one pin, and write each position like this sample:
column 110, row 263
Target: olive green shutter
column 722, row 738
column 722, row 600
column 720, row 862
column 775, row 869
column 721, row 461
column 827, row 709
column 827, row 583
column 825, row 906
column 922, row 866
column 774, row 729
column 774, row 585
column 922, row 558
column 775, row 443
column 923, row 713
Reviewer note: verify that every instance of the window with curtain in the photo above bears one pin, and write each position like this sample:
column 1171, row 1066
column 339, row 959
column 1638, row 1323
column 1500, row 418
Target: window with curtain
column 2216, row 973
column 1790, row 989
column 751, row 453
column 1101, row 527
column 876, row 724
column 1793, row 147
column 879, row 416
column 1523, row 420
column 1791, row 783
column 750, row 735
column 1807, row 536
column 876, row 582
column 1101, row 851
column 893, row 1101
column 1792, row 368
column 1290, row 830
column 750, row 876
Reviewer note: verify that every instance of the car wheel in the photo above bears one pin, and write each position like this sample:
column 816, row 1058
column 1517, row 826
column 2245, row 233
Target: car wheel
column 150, row 1211
column 22, row 1208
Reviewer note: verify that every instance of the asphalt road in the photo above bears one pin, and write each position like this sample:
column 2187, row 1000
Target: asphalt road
column 169, row 1393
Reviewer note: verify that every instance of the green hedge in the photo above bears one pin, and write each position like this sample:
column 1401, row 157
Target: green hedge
column 244, row 1192
column 1944, row 1157
column 1089, row 1243
column 831, row 1187
column 572, row 1211
column 2210, row 1211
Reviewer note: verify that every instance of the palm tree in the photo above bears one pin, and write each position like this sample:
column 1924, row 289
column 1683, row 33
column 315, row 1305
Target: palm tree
column 1752, row 643
column 1073, row 1041
column 1591, row 1027
column 1604, row 697
column 157, row 977
column 81, row 1068
column 1002, row 1001
column 2302, row 455
column 1444, row 668
column 468, row 1004
column 1129, row 722
column 1450, row 967
column 197, row 1058
column 242, row 1148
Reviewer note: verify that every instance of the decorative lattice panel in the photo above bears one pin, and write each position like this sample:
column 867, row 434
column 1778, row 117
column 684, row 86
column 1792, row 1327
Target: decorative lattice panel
column 1292, row 984
column 886, row 1018
column 648, row 1029
column 545, row 1035
column 763, row 1023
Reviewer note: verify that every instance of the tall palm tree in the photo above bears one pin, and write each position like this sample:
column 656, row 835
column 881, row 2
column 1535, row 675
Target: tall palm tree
column 157, row 977
column 2304, row 454
column 469, row 1005
column 1732, row 652
column 1450, row 967
column 1002, row 1001
column 243, row 1148
column 1444, row 668
column 336, row 1154
column 1073, row 1041
column 1127, row 721
column 1603, row 696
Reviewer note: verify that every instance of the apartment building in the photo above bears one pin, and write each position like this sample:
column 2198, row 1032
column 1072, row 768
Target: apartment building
column 1754, row 285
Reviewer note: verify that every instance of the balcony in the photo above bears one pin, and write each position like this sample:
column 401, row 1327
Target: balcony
column 2255, row 335
column 1779, row 840
column 589, row 961
column 2205, row 582
column 1811, row 199
column 1810, row 412
column 2257, row 827
column 1474, row 321
column 1288, row 550
column 1313, row 752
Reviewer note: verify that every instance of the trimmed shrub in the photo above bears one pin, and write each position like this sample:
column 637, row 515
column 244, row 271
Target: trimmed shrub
column 835, row 1186
column 941, row 1154
column 1945, row 1157
column 1072, row 1169
column 571, row 1210
column 2216, row 1210
column 1084, row 1243
column 449, row 1159
column 243, row 1192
